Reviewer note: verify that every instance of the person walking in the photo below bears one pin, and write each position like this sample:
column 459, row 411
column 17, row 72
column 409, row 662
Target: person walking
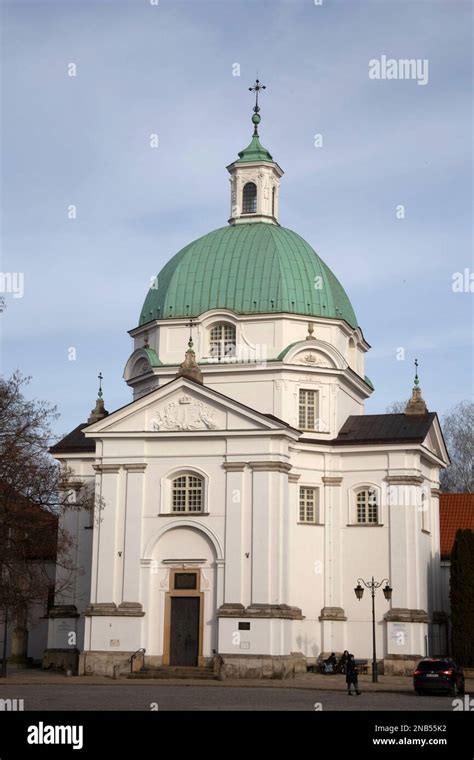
column 352, row 676
column 343, row 661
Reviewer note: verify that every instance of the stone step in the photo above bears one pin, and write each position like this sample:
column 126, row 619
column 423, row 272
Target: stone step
column 175, row 672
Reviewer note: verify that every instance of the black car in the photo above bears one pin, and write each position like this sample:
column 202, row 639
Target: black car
column 438, row 674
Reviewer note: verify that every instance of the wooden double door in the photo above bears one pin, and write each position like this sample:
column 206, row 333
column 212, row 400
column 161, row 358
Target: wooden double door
column 184, row 630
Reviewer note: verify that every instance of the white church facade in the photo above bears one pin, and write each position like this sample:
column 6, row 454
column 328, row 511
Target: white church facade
column 243, row 491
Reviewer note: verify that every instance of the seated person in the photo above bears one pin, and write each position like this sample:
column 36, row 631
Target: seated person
column 330, row 663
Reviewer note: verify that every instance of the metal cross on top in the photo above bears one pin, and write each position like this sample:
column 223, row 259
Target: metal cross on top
column 100, row 377
column 417, row 382
column 256, row 89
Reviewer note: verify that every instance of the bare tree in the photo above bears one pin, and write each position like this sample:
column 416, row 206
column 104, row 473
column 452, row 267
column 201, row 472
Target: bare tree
column 34, row 493
column 396, row 407
column 458, row 429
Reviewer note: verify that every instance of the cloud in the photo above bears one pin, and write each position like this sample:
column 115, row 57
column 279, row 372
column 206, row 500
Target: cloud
column 167, row 69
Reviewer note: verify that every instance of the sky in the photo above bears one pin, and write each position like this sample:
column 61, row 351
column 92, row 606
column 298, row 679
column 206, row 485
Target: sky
column 181, row 70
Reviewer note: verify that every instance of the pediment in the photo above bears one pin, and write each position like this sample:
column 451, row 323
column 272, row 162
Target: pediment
column 434, row 442
column 184, row 411
column 311, row 358
column 315, row 353
column 182, row 406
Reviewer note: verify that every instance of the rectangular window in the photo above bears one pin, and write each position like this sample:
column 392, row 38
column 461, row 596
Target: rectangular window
column 185, row 581
column 187, row 494
column 308, row 412
column 367, row 508
column 308, row 505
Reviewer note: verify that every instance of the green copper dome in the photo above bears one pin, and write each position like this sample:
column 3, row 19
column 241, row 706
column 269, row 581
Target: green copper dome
column 252, row 268
column 254, row 152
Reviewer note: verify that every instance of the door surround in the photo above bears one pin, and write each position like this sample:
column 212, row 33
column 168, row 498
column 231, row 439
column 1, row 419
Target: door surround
column 173, row 592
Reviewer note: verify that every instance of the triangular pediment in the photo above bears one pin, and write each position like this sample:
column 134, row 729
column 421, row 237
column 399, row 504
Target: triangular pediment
column 183, row 406
column 434, row 442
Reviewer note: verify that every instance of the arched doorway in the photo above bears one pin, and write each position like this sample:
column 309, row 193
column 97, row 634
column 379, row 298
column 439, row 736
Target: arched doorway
column 183, row 596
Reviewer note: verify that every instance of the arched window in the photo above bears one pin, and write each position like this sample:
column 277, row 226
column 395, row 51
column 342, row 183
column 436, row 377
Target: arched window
column 273, row 201
column 222, row 341
column 187, row 494
column 249, row 198
column 367, row 507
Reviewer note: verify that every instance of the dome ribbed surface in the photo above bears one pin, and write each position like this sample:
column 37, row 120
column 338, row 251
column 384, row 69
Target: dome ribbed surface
column 250, row 269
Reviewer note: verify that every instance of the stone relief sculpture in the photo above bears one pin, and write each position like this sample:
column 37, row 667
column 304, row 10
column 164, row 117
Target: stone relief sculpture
column 313, row 359
column 185, row 415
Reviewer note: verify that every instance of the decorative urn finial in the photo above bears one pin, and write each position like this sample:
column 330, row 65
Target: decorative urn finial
column 190, row 368
column 416, row 404
column 99, row 411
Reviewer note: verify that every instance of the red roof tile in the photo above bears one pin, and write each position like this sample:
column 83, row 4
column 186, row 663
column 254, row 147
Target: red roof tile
column 456, row 510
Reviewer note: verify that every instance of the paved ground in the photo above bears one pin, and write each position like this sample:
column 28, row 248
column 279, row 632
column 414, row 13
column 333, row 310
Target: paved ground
column 171, row 697
column 306, row 681
column 45, row 690
column 81, row 694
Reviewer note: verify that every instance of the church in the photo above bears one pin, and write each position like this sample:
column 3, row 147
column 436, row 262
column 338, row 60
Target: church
column 245, row 495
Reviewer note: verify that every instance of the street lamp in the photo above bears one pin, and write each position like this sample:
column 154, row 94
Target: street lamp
column 387, row 592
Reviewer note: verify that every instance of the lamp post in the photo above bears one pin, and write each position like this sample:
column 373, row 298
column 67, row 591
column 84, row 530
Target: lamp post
column 387, row 592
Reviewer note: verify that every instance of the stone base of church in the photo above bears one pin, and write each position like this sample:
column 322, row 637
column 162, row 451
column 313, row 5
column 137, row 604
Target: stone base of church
column 61, row 659
column 111, row 664
column 235, row 666
column 259, row 666
column 400, row 664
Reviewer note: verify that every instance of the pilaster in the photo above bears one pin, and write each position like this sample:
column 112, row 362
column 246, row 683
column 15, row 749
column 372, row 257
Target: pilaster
column 134, row 490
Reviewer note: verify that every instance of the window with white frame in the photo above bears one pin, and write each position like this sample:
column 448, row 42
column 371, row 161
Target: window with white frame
column 249, row 198
column 309, row 504
column 367, row 507
column 308, row 409
column 222, row 340
column 187, row 494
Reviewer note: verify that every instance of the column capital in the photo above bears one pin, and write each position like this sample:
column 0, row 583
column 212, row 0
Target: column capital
column 106, row 468
column 136, row 467
column 234, row 466
column 282, row 611
column 110, row 609
column 404, row 615
column 332, row 613
column 270, row 466
column 404, row 480
column 332, row 480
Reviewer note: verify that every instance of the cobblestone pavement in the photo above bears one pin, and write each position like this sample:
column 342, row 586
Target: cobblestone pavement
column 149, row 696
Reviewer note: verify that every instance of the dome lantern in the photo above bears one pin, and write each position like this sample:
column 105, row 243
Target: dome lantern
column 254, row 178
